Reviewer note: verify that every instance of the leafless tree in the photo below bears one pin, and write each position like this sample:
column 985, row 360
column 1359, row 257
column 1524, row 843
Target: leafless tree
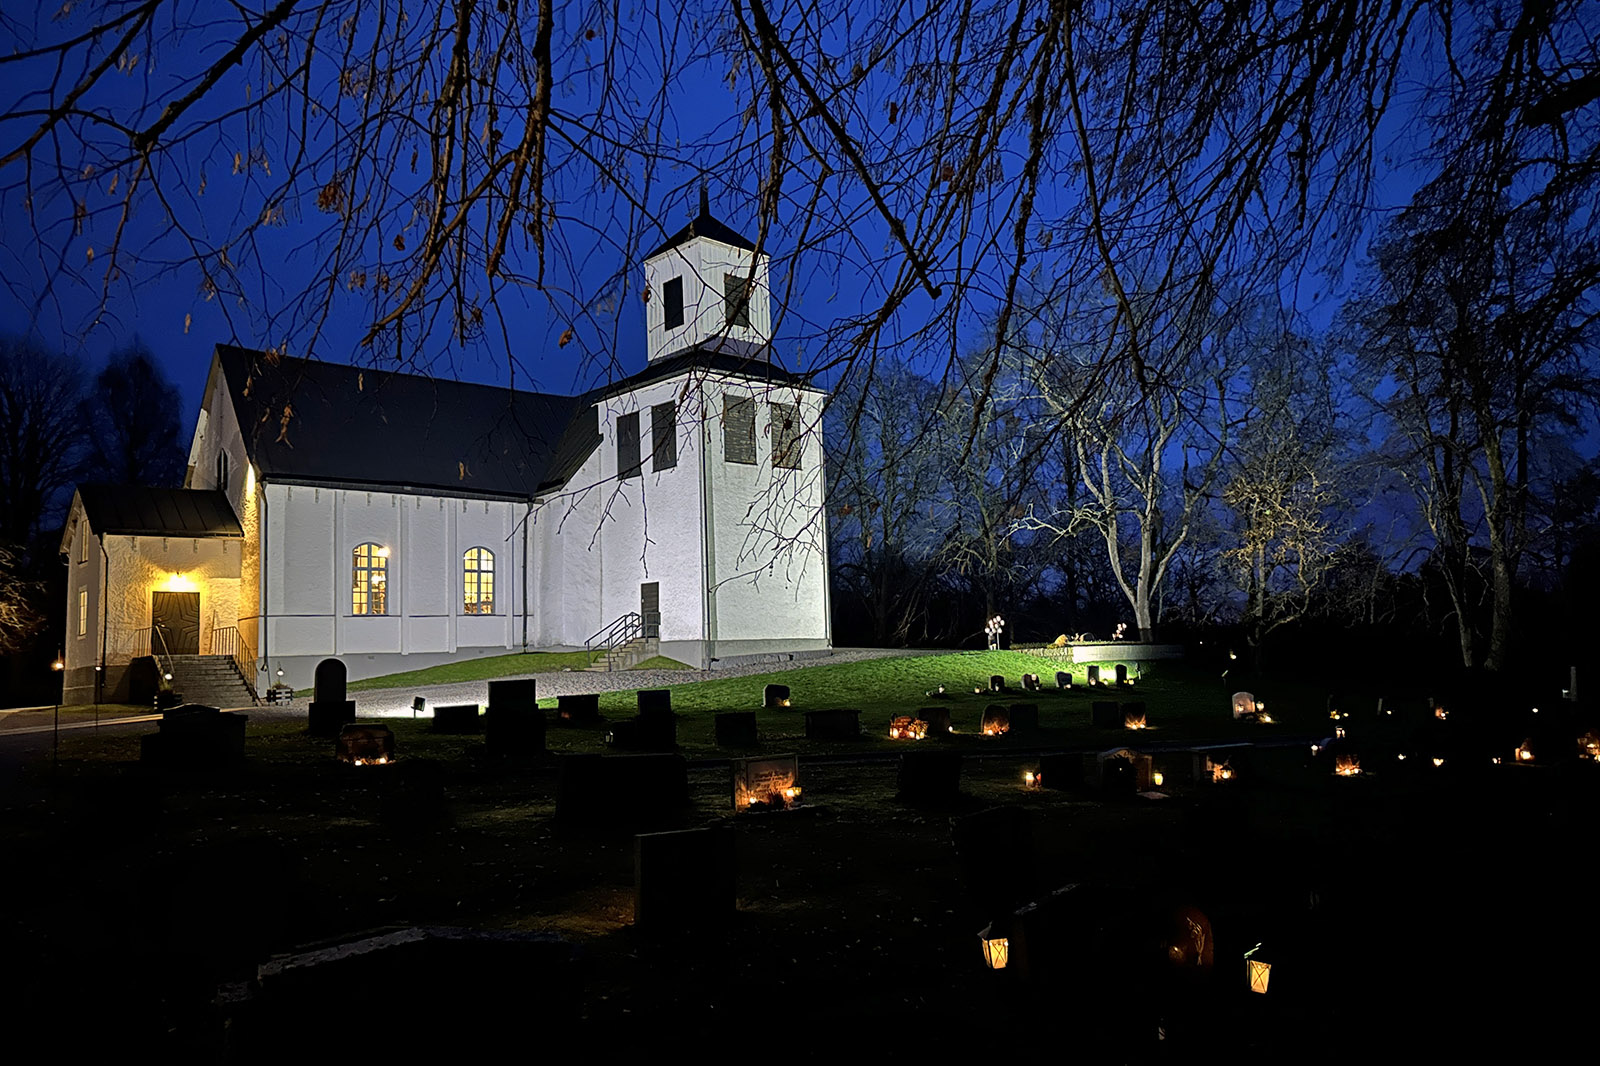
column 41, row 437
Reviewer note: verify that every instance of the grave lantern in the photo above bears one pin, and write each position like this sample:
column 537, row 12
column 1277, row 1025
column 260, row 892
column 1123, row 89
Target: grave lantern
column 1438, row 761
column 1032, row 780
column 1525, row 751
column 1258, row 969
column 1157, row 778
column 1221, row 772
column 996, row 948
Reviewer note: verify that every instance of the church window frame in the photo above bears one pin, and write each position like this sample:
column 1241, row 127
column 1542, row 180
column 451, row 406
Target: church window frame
column 788, row 444
column 663, row 436
column 739, row 429
column 477, row 581
column 736, row 292
column 672, row 302
column 629, row 463
column 369, row 580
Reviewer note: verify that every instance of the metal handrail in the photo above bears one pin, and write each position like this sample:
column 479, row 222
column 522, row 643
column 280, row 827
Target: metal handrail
column 625, row 629
column 158, row 629
column 227, row 640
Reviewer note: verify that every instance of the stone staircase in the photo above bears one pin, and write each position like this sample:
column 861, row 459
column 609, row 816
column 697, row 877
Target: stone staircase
column 626, row 656
column 209, row 680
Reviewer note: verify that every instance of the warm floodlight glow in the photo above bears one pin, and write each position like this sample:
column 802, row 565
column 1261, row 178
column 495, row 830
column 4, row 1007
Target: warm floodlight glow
column 178, row 582
column 382, row 553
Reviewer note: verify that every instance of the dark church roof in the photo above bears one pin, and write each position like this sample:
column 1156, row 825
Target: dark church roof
column 705, row 226
column 362, row 426
column 136, row 511
column 709, row 361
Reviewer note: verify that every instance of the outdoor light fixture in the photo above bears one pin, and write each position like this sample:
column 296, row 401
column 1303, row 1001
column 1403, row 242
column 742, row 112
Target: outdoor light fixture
column 996, row 948
column 1257, row 969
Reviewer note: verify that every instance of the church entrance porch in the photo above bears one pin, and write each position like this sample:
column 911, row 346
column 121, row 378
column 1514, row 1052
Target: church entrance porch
column 175, row 623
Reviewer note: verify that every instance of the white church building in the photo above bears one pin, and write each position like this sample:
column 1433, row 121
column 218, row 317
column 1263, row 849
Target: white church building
column 400, row 521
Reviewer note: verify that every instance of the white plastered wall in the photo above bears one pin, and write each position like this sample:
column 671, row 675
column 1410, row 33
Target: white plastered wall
column 703, row 264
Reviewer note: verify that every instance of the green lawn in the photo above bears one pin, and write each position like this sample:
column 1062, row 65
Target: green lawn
column 486, row 668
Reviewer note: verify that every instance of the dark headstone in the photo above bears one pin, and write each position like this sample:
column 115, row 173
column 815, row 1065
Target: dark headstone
column 1094, row 674
column 193, row 737
column 329, row 711
column 457, row 718
column 655, row 699
column 1048, row 940
column 328, row 684
column 1124, row 771
column 413, row 792
column 837, row 724
column 929, row 776
column 938, row 719
column 513, row 725
column 1122, row 674
column 1030, row 682
column 996, row 720
column 775, row 696
column 1024, row 719
column 620, row 789
column 582, row 709
column 1063, row 770
column 1105, row 714
column 770, row 783
column 684, row 879
column 364, row 745
column 995, row 848
column 521, row 694
column 658, row 728
column 736, row 729
column 365, row 977
column 1063, row 679
column 515, row 731
column 997, row 683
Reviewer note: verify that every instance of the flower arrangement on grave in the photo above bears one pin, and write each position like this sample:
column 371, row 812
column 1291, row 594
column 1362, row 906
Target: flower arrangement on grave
column 1221, row 772
column 1525, row 751
column 1589, row 746
column 906, row 727
column 1347, row 766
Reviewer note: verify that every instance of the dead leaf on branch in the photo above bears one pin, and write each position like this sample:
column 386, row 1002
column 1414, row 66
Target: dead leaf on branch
column 566, row 338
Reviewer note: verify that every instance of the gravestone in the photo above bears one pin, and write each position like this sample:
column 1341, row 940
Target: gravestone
column 769, row 783
column 620, row 789
column 1244, row 705
column 1030, row 682
column 932, row 777
column 996, row 720
column 365, row 745
column 1124, row 771
column 456, row 718
column 736, row 729
column 1024, row 719
column 1122, row 674
column 684, row 879
column 413, row 793
column 838, row 724
column 938, row 719
column 513, row 725
column 774, row 697
column 192, row 737
column 1063, row 679
column 329, row 710
column 995, row 850
column 1133, row 715
column 655, row 700
column 581, row 709
column 1094, row 675
column 1105, row 714
column 327, row 995
column 657, row 728
column 1062, row 770
column 997, row 683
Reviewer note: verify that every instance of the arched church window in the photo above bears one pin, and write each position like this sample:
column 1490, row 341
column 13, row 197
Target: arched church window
column 477, row 581
column 369, row 580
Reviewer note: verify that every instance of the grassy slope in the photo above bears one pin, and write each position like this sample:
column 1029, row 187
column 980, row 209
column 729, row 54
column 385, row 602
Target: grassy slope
column 486, row 668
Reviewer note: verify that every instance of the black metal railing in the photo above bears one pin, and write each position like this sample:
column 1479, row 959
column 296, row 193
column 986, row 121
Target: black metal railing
column 624, row 630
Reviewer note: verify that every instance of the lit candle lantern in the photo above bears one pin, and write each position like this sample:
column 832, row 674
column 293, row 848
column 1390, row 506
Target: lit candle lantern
column 996, row 948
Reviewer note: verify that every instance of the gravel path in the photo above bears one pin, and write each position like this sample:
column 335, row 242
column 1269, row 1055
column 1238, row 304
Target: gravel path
column 385, row 702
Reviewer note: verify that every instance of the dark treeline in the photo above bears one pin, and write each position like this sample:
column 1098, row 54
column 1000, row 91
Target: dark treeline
column 62, row 422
